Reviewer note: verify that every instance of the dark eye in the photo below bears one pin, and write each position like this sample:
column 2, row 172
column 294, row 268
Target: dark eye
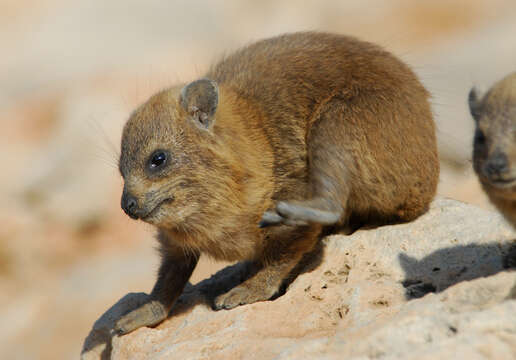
column 480, row 138
column 158, row 159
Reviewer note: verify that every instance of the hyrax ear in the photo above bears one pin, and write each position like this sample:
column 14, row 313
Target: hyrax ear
column 475, row 104
column 200, row 99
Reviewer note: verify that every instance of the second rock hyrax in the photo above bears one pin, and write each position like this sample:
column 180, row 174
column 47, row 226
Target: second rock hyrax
column 494, row 145
column 277, row 142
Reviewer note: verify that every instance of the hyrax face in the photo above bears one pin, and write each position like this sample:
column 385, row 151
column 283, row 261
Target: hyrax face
column 494, row 147
column 165, row 155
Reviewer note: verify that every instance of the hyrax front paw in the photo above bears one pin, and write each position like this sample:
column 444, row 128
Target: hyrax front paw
column 242, row 295
column 149, row 314
column 298, row 213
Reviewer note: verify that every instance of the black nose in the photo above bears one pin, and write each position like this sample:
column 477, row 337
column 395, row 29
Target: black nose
column 129, row 205
column 496, row 165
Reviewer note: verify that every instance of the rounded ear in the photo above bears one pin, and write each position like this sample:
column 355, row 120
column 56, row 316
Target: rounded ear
column 200, row 99
column 475, row 104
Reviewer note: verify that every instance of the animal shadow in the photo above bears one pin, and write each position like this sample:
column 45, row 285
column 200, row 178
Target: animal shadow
column 448, row 266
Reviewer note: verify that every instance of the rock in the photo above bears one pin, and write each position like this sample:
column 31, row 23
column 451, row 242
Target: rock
column 438, row 287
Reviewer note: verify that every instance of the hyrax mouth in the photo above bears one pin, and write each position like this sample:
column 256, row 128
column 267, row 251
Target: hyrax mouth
column 502, row 183
column 156, row 208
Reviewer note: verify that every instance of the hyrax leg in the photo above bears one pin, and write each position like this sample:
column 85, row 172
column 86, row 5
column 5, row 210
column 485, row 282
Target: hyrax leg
column 329, row 164
column 283, row 252
column 175, row 270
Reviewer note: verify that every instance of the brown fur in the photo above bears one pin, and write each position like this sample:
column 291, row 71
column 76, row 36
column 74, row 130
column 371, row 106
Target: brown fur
column 294, row 133
column 494, row 147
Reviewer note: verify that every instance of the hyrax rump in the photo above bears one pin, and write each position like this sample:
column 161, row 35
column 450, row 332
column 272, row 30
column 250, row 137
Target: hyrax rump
column 494, row 145
column 278, row 140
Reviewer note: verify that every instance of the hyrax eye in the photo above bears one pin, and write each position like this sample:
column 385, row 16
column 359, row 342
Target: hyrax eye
column 480, row 138
column 157, row 160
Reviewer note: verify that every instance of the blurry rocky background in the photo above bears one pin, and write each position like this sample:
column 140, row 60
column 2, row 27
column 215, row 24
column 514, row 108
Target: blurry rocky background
column 72, row 71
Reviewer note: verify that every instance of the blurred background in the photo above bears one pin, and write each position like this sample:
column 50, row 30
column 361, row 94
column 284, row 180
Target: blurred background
column 72, row 71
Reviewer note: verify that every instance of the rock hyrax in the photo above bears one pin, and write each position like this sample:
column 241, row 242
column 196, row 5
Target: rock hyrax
column 494, row 145
column 277, row 142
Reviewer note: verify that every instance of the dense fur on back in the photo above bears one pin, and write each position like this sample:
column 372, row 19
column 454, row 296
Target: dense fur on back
column 293, row 133
column 294, row 80
column 494, row 147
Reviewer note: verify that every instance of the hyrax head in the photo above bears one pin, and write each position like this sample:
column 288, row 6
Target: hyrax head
column 494, row 145
column 165, row 154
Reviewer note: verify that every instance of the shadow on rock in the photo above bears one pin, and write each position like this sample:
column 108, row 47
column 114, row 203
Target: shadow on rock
column 448, row 266
column 99, row 342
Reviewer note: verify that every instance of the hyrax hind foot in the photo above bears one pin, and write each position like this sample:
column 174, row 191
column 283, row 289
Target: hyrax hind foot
column 244, row 294
column 150, row 313
column 318, row 211
column 260, row 287
column 267, row 282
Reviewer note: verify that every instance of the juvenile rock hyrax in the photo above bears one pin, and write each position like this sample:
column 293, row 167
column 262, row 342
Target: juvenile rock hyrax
column 494, row 145
column 277, row 141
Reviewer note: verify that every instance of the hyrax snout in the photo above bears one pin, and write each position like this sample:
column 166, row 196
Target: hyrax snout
column 278, row 141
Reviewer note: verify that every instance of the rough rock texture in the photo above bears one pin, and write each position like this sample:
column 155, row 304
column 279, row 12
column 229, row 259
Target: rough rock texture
column 440, row 287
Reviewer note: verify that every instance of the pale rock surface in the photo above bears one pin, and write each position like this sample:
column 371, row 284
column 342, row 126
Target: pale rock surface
column 440, row 287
